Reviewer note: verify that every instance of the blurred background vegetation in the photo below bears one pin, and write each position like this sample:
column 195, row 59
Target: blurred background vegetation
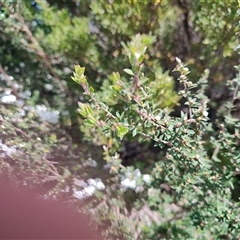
column 42, row 140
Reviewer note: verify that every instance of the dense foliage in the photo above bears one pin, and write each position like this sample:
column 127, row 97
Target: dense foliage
column 156, row 148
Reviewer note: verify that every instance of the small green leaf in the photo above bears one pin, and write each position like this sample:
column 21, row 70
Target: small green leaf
column 53, row 138
column 140, row 59
column 79, row 70
column 128, row 71
column 88, row 109
column 115, row 77
column 91, row 89
column 134, row 132
column 90, row 121
column 85, row 110
column 121, row 131
column 132, row 59
column 79, row 76
column 116, row 88
column 82, row 112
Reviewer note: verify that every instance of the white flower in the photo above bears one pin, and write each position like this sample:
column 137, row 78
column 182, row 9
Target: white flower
column 91, row 181
column 20, row 103
column 89, row 188
column 97, row 183
column 137, row 173
column 86, row 192
column 47, row 115
column 127, row 183
column 128, row 175
column 26, row 94
column 78, row 194
column 92, row 163
column 67, row 70
column 137, row 55
column 100, row 185
column 8, row 99
column 106, row 166
column 89, row 191
column 146, row 178
column 80, row 183
column 139, row 189
column 22, row 64
column 67, row 189
column 48, row 87
column 7, row 150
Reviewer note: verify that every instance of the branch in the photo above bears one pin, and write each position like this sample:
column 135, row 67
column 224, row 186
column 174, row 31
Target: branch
column 185, row 11
column 43, row 55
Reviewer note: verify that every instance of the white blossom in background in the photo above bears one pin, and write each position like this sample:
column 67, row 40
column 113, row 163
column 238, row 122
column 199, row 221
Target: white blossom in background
column 2, row 77
column 77, row 193
column 25, row 94
column 137, row 173
column 29, row 108
column 6, row 150
column 91, row 162
column 146, row 178
column 17, row 86
column 97, row 183
column 107, row 166
column 19, row 103
column 67, row 70
column 139, row 189
column 134, row 180
column 47, row 114
column 65, row 113
column 34, row 23
column 80, row 183
column 67, row 189
column 8, row 99
column 127, row 183
column 89, row 188
column 22, row 64
column 16, row 70
column 129, row 180
column 22, row 112
column 89, row 191
column 86, row 192
column 48, row 87
column 8, row 91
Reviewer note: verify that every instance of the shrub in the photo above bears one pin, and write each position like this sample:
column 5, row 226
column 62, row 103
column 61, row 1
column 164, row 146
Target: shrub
column 192, row 187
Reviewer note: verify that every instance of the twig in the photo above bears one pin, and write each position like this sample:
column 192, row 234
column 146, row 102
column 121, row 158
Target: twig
column 216, row 151
column 236, row 90
column 52, row 170
column 18, row 130
column 135, row 83
column 9, row 82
